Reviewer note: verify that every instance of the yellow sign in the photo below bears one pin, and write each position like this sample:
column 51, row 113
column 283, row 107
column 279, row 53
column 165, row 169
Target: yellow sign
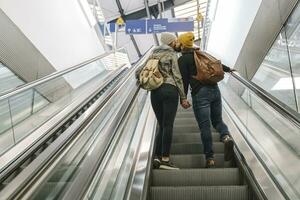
column 199, row 17
column 120, row 21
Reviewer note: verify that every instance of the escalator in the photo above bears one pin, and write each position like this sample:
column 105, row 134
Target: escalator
column 193, row 180
column 38, row 129
column 65, row 157
column 107, row 152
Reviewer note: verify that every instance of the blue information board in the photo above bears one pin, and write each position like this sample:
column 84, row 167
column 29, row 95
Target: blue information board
column 180, row 25
column 157, row 25
column 112, row 27
column 135, row 27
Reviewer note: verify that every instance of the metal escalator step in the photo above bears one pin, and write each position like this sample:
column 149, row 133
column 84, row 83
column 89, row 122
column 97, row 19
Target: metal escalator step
column 185, row 115
column 188, row 129
column 197, row 161
column 200, row 192
column 196, row 177
column 192, row 137
column 195, row 148
column 184, row 121
column 182, row 110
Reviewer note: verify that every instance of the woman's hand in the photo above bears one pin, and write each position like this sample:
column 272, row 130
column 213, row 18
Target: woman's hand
column 185, row 104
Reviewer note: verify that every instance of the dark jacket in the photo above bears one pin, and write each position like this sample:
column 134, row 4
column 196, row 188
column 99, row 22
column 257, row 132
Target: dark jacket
column 188, row 68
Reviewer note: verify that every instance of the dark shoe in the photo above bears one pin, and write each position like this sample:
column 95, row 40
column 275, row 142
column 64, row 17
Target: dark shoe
column 228, row 145
column 156, row 163
column 167, row 165
column 210, row 163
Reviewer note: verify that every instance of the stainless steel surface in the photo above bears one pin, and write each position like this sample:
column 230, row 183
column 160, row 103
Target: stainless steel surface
column 113, row 183
column 91, row 163
column 261, row 176
column 140, row 178
column 81, row 184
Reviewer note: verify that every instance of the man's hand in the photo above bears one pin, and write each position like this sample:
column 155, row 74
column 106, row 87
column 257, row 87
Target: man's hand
column 232, row 70
column 185, row 104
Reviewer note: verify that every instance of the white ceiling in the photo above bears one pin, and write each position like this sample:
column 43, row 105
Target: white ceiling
column 111, row 11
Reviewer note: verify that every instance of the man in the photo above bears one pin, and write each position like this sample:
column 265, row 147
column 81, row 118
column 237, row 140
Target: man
column 206, row 100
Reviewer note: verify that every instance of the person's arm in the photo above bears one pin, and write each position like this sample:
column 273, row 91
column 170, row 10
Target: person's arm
column 184, row 70
column 178, row 78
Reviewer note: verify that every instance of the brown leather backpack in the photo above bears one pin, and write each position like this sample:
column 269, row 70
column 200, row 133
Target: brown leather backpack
column 209, row 69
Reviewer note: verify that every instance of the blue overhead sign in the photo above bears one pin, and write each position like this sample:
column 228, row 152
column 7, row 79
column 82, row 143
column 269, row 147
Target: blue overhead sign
column 180, row 25
column 135, row 27
column 112, row 27
column 157, row 25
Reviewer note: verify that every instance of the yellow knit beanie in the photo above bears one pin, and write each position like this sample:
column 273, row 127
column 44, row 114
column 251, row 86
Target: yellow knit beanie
column 187, row 39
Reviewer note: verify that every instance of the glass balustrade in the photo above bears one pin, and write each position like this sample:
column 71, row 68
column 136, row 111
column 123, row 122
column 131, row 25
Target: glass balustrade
column 24, row 112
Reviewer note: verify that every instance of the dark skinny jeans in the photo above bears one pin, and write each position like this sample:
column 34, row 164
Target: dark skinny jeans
column 164, row 102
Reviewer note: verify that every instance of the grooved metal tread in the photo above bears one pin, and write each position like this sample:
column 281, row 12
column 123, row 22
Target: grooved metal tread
column 196, row 177
column 192, row 138
column 184, row 121
column 185, row 115
column 200, row 192
column 195, row 148
column 188, row 128
column 197, row 161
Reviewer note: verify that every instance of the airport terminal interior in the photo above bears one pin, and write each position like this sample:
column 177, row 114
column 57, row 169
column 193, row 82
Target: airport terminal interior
column 76, row 123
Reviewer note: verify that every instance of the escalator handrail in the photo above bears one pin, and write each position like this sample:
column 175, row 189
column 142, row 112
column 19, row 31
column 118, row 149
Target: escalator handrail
column 271, row 101
column 51, row 76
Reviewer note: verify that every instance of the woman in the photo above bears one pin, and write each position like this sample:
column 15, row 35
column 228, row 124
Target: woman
column 164, row 100
column 206, row 100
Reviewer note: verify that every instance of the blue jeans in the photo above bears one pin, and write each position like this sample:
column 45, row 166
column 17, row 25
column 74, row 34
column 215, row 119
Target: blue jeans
column 207, row 105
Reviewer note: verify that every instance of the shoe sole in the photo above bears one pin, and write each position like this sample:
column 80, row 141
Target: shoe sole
column 165, row 167
column 156, row 164
column 228, row 151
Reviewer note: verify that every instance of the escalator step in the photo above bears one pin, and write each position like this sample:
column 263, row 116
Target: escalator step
column 197, row 161
column 185, row 115
column 188, row 128
column 200, row 192
column 196, row 177
column 192, row 137
column 195, row 148
column 184, row 121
